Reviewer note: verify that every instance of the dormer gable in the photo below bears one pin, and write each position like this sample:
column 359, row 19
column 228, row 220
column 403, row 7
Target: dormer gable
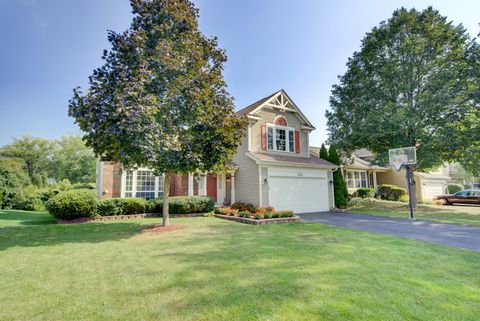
column 278, row 101
column 277, row 126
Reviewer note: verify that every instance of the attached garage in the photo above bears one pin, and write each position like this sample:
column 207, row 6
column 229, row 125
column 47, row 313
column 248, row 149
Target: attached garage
column 302, row 190
column 432, row 188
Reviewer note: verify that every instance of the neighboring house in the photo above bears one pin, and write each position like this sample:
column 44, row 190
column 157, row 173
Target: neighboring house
column 358, row 172
column 428, row 185
column 272, row 167
column 458, row 175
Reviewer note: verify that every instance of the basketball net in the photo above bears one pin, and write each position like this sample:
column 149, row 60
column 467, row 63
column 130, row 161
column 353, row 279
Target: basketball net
column 398, row 164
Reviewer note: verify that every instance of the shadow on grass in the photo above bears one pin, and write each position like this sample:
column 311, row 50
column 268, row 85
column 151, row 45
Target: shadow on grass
column 40, row 229
column 26, row 217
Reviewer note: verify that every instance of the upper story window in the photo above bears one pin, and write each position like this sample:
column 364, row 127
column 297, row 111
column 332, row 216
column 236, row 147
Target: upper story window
column 279, row 120
column 280, row 138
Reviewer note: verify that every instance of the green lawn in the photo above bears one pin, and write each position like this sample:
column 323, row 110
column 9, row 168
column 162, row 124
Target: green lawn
column 220, row 270
column 458, row 214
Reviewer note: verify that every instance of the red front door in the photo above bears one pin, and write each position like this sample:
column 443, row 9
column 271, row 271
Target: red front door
column 212, row 186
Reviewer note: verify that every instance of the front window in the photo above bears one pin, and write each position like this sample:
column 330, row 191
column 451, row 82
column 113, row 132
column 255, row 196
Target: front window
column 145, row 184
column 142, row 183
column 356, row 179
column 280, row 138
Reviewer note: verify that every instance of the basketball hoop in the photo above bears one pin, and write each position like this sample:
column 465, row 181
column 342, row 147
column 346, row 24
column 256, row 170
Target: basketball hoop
column 398, row 164
column 405, row 156
column 402, row 156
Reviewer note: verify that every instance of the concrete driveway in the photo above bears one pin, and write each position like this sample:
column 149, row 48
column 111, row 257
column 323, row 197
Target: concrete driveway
column 450, row 234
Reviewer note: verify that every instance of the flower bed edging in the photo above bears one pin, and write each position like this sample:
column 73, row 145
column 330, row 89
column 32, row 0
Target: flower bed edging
column 123, row 217
column 263, row 221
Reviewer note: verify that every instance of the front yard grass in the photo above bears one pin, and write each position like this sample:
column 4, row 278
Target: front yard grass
column 459, row 214
column 219, row 270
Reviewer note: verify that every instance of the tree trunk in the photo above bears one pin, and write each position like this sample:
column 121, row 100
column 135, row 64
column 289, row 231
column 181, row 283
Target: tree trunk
column 166, row 193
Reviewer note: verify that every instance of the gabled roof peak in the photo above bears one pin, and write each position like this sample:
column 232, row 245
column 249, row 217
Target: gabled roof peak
column 278, row 100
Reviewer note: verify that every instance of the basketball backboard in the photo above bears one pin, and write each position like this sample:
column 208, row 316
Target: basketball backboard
column 402, row 156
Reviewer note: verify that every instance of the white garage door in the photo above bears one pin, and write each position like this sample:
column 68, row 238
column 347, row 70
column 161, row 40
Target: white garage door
column 302, row 191
column 432, row 189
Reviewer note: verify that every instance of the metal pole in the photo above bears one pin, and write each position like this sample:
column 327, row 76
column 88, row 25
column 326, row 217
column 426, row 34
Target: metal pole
column 410, row 183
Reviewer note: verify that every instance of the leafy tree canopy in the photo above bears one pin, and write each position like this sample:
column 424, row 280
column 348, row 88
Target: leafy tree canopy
column 160, row 99
column 36, row 154
column 72, row 160
column 13, row 178
column 43, row 159
column 414, row 82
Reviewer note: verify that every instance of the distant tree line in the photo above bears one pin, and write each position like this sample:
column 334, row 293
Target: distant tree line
column 34, row 168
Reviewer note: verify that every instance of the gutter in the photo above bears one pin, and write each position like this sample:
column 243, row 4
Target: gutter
column 293, row 164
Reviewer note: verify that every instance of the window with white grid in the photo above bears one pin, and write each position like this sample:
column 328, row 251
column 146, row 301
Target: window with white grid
column 145, row 184
column 142, row 183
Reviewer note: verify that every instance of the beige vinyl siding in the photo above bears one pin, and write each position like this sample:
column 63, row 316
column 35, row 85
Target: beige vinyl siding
column 398, row 178
column 246, row 177
column 268, row 115
column 264, row 176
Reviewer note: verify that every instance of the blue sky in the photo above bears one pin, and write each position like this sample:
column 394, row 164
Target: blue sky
column 50, row 46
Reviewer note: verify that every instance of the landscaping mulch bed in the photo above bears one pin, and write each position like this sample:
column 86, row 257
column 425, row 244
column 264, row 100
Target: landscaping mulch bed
column 163, row 229
column 122, row 217
column 264, row 221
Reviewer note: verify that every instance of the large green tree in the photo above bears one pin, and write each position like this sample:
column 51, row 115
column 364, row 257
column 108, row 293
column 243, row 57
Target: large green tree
column 13, row 178
column 35, row 152
column 160, row 99
column 414, row 82
column 72, row 160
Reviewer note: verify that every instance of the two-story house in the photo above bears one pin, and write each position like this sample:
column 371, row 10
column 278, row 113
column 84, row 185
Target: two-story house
column 272, row 167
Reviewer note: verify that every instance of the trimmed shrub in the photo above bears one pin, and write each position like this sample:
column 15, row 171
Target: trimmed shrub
column 263, row 210
column 190, row 204
column 155, row 205
column 184, row 205
column 391, row 192
column 131, row 205
column 358, row 201
column 276, row 214
column 244, row 214
column 110, row 207
column 73, row 204
column 217, row 211
column 285, row 214
column 267, row 215
column 257, row 216
column 241, row 206
column 365, row 193
column 232, row 213
column 453, row 188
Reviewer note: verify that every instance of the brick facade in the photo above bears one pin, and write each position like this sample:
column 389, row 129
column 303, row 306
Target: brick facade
column 179, row 185
column 111, row 180
column 111, row 185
